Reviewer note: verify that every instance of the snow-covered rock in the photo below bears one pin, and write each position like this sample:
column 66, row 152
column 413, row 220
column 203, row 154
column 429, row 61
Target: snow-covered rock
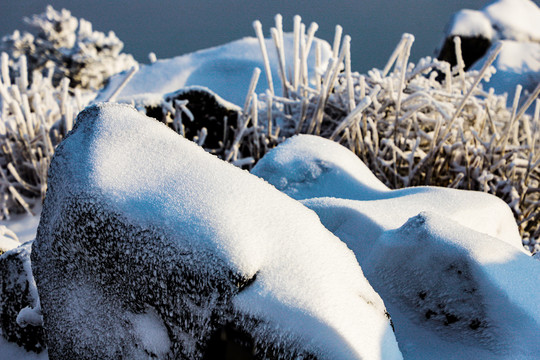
column 306, row 167
column 201, row 116
column 514, row 19
column 20, row 316
column 225, row 69
column 148, row 245
column 515, row 22
column 454, row 293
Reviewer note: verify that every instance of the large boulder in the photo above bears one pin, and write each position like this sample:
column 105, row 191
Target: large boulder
column 20, row 315
column 150, row 247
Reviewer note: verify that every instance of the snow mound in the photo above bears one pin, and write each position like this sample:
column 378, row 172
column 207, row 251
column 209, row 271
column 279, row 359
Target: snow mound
column 143, row 227
column 445, row 285
column 225, row 69
column 307, row 166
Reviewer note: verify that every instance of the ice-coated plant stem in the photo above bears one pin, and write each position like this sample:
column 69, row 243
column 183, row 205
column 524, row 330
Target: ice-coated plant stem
column 479, row 77
column 258, row 31
column 296, row 51
column 337, row 40
column 124, row 82
column 366, row 101
column 252, row 86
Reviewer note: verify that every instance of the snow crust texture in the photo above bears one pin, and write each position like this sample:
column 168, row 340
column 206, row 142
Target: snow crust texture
column 20, row 315
column 445, row 262
column 142, row 229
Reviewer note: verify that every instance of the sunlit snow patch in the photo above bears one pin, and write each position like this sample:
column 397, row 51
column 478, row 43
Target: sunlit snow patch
column 456, row 293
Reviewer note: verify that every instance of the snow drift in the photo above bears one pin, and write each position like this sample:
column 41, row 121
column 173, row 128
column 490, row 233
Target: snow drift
column 141, row 229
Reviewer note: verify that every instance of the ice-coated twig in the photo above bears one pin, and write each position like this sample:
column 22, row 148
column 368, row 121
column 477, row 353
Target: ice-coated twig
column 258, row 31
column 366, row 101
column 479, row 77
column 296, row 51
column 252, row 86
column 124, row 82
column 337, row 40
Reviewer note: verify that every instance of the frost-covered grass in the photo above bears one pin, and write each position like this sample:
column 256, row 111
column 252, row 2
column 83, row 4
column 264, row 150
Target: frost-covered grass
column 412, row 124
column 416, row 124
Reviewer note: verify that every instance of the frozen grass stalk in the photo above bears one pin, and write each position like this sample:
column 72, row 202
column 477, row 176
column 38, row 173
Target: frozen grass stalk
column 258, row 30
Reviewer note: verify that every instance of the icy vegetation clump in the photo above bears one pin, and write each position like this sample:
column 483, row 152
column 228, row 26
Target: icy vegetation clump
column 69, row 48
column 35, row 115
column 417, row 124
column 150, row 246
column 443, row 260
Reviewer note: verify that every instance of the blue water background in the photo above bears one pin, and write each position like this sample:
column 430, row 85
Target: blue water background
column 170, row 28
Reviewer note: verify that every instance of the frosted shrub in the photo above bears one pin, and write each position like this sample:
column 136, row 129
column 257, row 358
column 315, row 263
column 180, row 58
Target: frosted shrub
column 34, row 117
column 61, row 42
column 413, row 124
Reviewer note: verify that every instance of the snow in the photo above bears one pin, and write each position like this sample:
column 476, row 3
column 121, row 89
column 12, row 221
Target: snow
column 515, row 19
column 307, row 167
column 307, row 287
column 470, row 23
column 518, row 63
column 151, row 332
column 225, row 70
column 23, row 225
column 445, row 284
column 6, row 242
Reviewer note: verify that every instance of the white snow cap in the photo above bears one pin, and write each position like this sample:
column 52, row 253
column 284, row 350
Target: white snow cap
column 307, row 166
column 225, row 69
column 307, row 280
column 515, row 19
column 470, row 23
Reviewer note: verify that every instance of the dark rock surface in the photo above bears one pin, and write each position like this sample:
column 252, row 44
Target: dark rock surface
column 18, row 292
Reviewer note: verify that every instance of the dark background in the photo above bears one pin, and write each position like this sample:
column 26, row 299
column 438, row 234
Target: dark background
column 171, row 28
